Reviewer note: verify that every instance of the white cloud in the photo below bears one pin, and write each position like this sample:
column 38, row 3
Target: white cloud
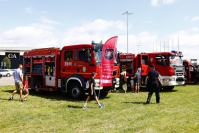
column 102, row 29
column 34, row 35
column 43, row 34
column 149, row 42
column 188, row 42
column 156, row 3
column 140, row 42
column 98, row 29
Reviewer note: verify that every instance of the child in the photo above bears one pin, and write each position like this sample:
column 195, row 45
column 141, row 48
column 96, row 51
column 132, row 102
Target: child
column 25, row 88
column 92, row 93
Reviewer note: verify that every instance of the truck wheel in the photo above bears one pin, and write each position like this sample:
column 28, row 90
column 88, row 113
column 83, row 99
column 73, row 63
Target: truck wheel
column 76, row 91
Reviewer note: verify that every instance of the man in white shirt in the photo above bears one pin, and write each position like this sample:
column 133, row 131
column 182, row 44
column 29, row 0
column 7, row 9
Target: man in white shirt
column 18, row 78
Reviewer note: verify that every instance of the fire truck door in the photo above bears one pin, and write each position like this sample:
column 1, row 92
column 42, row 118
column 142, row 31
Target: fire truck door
column 50, row 79
column 144, row 64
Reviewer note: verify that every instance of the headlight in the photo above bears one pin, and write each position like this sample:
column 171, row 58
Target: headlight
column 168, row 79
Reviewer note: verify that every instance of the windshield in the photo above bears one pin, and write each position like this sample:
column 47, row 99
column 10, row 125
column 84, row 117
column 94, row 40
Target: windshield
column 162, row 60
column 175, row 60
column 98, row 53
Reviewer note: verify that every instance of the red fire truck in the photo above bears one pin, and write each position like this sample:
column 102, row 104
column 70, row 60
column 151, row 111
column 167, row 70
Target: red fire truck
column 191, row 69
column 68, row 69
column 168, row 64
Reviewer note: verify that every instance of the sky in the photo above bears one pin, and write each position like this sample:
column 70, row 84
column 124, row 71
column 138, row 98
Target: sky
column 154, row 25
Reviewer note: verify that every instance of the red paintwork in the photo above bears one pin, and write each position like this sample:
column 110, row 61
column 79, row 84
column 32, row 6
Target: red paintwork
column 163, row 70
column 63, row 70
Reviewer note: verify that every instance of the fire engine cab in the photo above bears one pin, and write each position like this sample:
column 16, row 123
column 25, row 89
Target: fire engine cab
column 68, row 69
column 168, row 64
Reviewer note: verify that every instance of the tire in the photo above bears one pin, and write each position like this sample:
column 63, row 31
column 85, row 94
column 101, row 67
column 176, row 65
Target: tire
column 76, row 91
column 8, row 75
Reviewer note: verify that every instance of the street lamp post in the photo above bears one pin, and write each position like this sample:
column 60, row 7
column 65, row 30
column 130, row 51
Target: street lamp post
column 127, row 13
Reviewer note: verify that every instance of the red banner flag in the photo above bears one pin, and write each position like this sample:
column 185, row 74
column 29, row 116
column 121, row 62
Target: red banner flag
column 108, row 56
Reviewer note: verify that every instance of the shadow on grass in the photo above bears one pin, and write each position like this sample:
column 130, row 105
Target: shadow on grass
column 135, row 102
column 144, row 90
column 9, row 91
column 6, row 99
column 143, row 103
column 57, row 95
column 165, row 91
column 75, row 106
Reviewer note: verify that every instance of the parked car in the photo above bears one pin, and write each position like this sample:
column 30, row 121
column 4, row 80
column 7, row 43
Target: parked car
column 6, row 72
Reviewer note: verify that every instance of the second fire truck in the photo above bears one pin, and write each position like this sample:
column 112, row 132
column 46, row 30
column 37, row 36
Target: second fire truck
column 168, row 64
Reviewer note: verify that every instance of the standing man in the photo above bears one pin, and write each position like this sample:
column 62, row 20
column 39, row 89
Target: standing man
column 18, row 78
column 92, row 93
column 153, row 84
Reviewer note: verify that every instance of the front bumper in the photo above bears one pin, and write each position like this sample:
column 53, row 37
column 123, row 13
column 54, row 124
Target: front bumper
column 115, row 81
column 172, row 80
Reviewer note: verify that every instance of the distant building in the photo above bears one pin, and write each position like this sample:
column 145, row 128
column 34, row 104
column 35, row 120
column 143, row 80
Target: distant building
column 11, row 57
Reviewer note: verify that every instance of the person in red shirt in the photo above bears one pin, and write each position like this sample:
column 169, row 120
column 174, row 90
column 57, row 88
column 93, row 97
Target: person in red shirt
column 25, row 88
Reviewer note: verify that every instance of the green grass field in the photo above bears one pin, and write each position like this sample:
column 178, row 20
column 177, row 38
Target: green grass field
column 52, row 113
